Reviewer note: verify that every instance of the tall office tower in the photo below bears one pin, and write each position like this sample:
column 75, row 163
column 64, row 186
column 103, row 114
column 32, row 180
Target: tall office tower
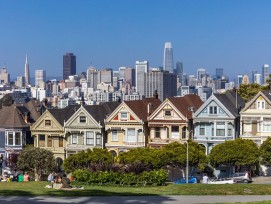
column 184, row 80
column 239, row 79
column 245, row 79
column 141, row 68
column 265, row 73
column 218, row 73
column 253, row 76
column 162, row 82
column 69, row 65
column 200, row 73
column 129, row 76
column 40, row 76
column 26, row 72
column 4, row 76
column 257, row 79
column 179, row 71
column 92, row 77
column 20, row 82
column 168, row 58
column 105, row 76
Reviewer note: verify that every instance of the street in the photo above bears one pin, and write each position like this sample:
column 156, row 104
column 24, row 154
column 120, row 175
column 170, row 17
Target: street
column 133, row 199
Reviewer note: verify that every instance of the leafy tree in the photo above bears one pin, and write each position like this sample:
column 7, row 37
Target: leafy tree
column 36, row 160
column 96, row 159
column 265, row 152
column 237, row 153
column 248, row 91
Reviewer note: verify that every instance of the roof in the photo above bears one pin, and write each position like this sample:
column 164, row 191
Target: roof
column 232, row 101
column 183, row 104
column 14, row 116
column 100, row 112
column 63, row 114
column 140, row 107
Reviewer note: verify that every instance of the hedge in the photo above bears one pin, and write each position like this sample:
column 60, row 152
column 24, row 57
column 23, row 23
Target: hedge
column 158, row 177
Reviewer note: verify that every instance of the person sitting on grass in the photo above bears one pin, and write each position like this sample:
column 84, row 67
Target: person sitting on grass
column 66, row 183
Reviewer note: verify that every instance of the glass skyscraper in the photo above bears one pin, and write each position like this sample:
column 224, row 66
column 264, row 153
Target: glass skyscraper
column 69, row 65
column 168, row 58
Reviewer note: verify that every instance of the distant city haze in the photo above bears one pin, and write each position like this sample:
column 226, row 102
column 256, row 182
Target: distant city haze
column 232, row 35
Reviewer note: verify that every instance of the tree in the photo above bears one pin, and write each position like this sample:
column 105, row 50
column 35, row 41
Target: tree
column 96, row 159
column 237, row 153
column 37, row 160
column 248, row 91
column 265, row 152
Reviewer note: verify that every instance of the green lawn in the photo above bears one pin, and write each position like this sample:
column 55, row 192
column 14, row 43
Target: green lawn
column 38, row 188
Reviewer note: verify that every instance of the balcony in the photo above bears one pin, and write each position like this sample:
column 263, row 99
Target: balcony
column 159, row 141
column 135, row 144
column 77, row 147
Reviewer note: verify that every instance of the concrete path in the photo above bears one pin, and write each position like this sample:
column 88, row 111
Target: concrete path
column 133, row 199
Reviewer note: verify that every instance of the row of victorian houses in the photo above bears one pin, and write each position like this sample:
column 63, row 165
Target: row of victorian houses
column 120, row 126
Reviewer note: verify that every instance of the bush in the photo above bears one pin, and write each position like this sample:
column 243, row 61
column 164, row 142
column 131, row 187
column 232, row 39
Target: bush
column 158, row 177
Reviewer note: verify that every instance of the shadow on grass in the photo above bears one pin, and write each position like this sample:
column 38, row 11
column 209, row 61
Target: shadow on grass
column 82, row 197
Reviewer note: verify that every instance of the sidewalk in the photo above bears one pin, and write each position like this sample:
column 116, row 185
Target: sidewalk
column 261, row 179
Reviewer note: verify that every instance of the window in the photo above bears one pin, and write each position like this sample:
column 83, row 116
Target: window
column 220, row 129
column 74, row 139
column 124, row 116
column 41, row 140
column 82, row 119
column 115, row 135
column 175, row 132
column 131, row 135
column 267, row 124
column 167, row 113
column 10, row 138
column 47, row 122
column 183, row 132
column 229, row 132
column 98, row 139
column 213, row 110
column 60, row 142
column 202, row 129
column 49, row 142
column 90, row 138
column 17, row 138
column 140, row 136
column 157, row 132
column 260, row 104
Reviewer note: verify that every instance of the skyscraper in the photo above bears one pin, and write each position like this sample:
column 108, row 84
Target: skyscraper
column 26, row 72
column 253, row 76
column 219, row 73
column 69, row 65
column 168, row 58
column 40, row 76
column 265, row 73
column 200, row 73
column 179, row 71
column 141, row 68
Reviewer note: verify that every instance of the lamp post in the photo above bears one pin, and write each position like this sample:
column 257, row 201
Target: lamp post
column 187, row 156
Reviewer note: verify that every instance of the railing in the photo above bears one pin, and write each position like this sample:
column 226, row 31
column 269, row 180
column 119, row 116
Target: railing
column 158, row 140
column 222, row 138
column 135, row 144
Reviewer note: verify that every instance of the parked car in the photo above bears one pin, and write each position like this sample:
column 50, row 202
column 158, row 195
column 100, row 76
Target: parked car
column 191, row 179
column 222, row 181
column 242, row 177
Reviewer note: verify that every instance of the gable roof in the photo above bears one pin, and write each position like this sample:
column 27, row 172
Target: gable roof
column 183, row 104
column 232, row 101
column 140, row 107
column 265, row 94
column 100, row 112
column 63, row 114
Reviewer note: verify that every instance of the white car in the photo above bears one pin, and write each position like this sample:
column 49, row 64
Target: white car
column 222, row 181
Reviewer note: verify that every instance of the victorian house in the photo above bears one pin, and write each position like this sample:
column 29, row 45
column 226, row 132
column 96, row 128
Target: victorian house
column 127, row 126
column 218, row 119
column 48, row 131
column 172, row 120
column 85, row 128
column 15, row 121
column 256, row 118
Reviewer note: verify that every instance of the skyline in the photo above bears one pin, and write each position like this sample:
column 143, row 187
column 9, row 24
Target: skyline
column 233, row 35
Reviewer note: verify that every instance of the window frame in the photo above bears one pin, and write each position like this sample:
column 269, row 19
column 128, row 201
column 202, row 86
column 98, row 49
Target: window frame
column 115, row 137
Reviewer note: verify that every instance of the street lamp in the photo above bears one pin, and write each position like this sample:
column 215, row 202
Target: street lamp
column 187, row 157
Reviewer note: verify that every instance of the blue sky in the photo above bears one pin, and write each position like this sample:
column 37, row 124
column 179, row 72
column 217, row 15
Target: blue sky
column 232, row 34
